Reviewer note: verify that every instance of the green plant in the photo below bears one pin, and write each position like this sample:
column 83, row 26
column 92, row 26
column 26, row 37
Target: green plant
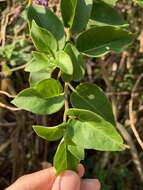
column 93, row 28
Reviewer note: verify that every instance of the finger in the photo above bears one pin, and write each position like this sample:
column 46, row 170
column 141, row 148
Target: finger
column 68, row 180
column 42, row 180
column 81, row 170
column 92, row 184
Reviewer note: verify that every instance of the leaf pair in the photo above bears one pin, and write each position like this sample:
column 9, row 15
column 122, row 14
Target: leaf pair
column 67, row 156
column 84, row 130
column 105, row 32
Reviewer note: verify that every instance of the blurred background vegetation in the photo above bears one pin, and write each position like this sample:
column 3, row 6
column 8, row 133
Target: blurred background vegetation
column 120, row 76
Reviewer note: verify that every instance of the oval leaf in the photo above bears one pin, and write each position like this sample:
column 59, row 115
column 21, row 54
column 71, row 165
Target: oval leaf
column 40, row 61
column 64, row 62
column 77, row 151
column 36, row 77
column 93, row 133
column 45, row 18
column 64, row 160
column 77, row 60
column 49, row 88
column 99, row 41
column 43, row 39
column 91, row 97
column 68, row 11
column 104, row 14
column 76, row 13
column 44, row 98
column 50, row 133
column 82, row 15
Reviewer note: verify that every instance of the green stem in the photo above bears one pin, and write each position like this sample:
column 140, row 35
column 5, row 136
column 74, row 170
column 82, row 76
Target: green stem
column 71, row 87
column 69, row 34
column 66, row 102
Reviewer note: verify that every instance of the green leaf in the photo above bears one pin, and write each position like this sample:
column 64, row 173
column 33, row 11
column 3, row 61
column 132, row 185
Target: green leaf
column 82, row 15
column 91, row 97
column 40, row 61
column 63, row 159
column 50, row 133
column 68, row 11
column 36, row 77
column 104, row 14
column 77, row 151
column 64, row 63
column 99, row 41
column 77, row 60
column 44, row 98
column 49, row 88
column 45, row 18
column 76, row 13
column 43, row 39
column 91, row 131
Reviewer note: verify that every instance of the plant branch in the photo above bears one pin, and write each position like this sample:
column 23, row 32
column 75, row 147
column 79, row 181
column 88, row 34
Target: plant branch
column 71, row 87
column 109, row 85
column 133, row 149
column 66, row 102
column 9, row 107
column 18, row 68
column 131, row 114
column 7, row 94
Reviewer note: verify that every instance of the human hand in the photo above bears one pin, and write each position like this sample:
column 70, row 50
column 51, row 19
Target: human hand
column 47, row 180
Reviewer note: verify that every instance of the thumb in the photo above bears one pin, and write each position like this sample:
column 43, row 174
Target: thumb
column 68, row 180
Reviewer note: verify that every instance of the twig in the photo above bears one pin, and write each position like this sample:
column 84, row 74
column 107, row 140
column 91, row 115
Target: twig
column 7, row 94
column 133, row 149
column 18, row 68
column 23, row 26
column 122, row 130
column 4, row 145
column 9, row 107
column 131, row 114
column 122, row 93
column 106, row 79
column 131, row 117
column 8, row 124
column 4, row 24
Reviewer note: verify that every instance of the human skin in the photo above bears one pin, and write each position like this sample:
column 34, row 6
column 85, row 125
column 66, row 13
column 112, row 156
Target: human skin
column 47, row 180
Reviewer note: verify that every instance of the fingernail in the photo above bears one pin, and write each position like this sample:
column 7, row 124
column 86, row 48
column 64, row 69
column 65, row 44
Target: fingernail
column 92, row 184
column 70, row 181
